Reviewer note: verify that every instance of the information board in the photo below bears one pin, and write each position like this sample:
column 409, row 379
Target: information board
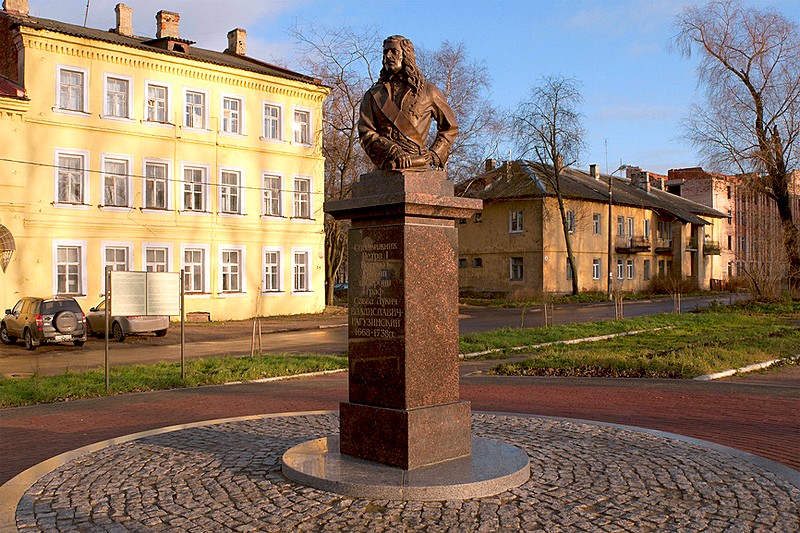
column 145, row 293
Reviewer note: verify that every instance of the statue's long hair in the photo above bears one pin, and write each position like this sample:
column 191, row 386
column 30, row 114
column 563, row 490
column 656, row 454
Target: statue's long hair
column 410, row 70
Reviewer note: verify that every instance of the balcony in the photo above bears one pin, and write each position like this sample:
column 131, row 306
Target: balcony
column 663, row 246
column 711, row 247
column 632, row 245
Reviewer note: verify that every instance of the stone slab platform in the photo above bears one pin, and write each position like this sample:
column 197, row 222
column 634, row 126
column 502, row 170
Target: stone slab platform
column 584, row 477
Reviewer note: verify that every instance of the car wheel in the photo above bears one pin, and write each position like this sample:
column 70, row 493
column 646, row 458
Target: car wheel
column 29, row 340
column 161, row 333
column 116, row 331
column 79, row 344
column 8, row 339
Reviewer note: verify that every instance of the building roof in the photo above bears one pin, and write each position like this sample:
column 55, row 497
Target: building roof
column 9, row 89
column 146, row 43
column 526, row 179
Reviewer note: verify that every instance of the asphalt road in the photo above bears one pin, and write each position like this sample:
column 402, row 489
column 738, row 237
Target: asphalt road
column 16, row 361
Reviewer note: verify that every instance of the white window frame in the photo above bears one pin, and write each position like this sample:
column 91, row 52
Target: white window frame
column 167, row 103
column 620, row 269
column 222, row 270
column 84, row 155
column 596, row 268
column 620, row 226
column 629, row 268
column 239, row 131
column 631, row 226
column 82, row 274
column 168, row 249
column 204, row 188
column 308, row 264
column 128, row 116
column 222, row 191
column 105, row 158
column 279, row 107
column 280, row 281
column 169, row 184
column 204, row 127
column 104, row 246
column 297, row 127
column 206, row 250
column 85, row 96
column 511, row 269
column 646, row 231
column 279, row 195
column 597, row 224
column 297, row 197
column 515, row 221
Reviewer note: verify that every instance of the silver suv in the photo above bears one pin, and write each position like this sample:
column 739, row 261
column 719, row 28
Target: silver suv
column 42, row 320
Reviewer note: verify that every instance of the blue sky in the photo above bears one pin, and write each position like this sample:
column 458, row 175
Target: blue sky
column 636, row 91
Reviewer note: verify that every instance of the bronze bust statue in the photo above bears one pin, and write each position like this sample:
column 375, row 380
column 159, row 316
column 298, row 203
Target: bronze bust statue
column 396, row 114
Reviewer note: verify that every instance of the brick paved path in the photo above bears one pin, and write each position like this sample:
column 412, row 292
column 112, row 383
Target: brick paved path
column 761, row 418
column 584, row 477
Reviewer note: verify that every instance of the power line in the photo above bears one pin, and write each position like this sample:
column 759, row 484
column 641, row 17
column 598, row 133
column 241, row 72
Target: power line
column 131, row 175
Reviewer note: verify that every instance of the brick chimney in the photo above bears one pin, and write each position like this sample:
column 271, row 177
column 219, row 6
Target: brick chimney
column 167, row 25
column 593, row 172
column 124, row 20
column 237, row 42
column 639, row 178
column 17, row 7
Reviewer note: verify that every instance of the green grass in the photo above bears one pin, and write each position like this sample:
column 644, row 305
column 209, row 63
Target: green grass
column 137, row 378
column 696, row 343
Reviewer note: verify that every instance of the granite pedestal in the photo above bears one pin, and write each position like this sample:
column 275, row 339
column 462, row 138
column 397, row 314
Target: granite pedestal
column 404, row 409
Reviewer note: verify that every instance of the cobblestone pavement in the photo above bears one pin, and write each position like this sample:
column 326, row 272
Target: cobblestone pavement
column 584, row 477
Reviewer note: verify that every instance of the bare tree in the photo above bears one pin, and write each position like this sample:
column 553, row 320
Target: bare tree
column 548, row 125
column 345, row 60
column 750, row 67
column 466, row 86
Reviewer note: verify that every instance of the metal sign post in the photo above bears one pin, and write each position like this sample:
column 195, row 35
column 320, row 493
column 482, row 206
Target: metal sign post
column 183, row 336
column 107, row 304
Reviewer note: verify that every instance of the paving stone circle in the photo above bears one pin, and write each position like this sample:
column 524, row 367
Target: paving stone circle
column 584, row 477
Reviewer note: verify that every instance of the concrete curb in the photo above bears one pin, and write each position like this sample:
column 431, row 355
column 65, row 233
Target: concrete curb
column 744, row 369
column 568, row 341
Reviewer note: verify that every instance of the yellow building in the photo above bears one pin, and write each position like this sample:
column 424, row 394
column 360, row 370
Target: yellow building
column 516, row 245
column 150, row 154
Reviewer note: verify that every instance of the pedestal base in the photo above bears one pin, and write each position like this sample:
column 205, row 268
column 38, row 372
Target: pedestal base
column 491, row 468
column 405, row 438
